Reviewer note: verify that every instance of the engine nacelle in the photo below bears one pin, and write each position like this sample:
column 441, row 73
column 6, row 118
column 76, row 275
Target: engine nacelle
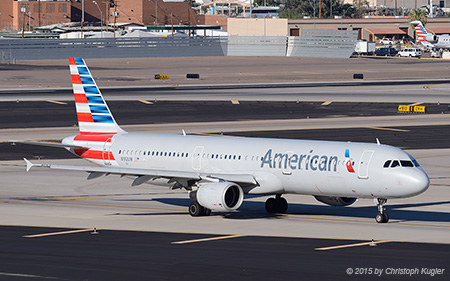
column 336, row 201
column 431, row 38
column 219, row 196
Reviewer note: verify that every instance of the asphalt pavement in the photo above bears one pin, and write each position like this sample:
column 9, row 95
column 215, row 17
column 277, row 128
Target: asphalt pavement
column 109, row 255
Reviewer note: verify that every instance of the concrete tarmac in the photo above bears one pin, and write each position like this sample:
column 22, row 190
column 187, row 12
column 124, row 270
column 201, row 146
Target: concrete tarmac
column 42, row 74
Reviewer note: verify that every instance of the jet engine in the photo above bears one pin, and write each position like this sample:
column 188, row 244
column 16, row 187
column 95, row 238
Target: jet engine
column 336, row 201
column 219, row 196
column 431, row 38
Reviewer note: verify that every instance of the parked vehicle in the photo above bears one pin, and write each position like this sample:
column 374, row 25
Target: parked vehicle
column 410, row 52
column 435, row 53
column 387, row 41
column 386, row 51
column 364, row 47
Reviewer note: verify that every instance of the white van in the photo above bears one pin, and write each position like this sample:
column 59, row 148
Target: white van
column 410, row 52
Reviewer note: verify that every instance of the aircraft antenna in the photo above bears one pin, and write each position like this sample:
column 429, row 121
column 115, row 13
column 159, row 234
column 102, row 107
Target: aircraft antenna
column 378, row 141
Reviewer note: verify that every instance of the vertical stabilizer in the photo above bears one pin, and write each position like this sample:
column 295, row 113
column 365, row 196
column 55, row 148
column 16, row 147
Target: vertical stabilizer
column 94, row 116
column 420, row 30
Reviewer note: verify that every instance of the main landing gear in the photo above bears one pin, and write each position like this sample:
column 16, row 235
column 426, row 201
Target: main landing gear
column 276, row 205
column 197, row 210
column 381, row 217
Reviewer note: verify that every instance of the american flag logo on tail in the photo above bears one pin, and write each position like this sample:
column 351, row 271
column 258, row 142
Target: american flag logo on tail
column 94, row 116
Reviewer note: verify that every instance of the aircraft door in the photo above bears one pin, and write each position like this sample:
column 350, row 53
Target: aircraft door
column 107, row 152
column 197, row 158
column 363, row 166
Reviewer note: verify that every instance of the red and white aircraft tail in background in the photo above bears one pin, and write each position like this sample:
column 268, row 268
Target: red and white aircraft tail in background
column 431, row 40
column 219, row 171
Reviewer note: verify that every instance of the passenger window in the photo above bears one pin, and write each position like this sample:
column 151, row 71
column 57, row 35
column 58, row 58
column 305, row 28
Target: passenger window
column 395, row 163
column 387, row 163
column 406, row 163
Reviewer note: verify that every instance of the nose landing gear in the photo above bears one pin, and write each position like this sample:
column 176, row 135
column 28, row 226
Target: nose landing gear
column 381, row 217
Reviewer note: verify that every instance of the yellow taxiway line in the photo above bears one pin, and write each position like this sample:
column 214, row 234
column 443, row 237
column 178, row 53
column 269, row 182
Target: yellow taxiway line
column 352, row 245
column 58, row 233
column 146, row 101
column 57, row 102
column 388, row 129
column 326, row 103
column 235, row 102
column 208, row 239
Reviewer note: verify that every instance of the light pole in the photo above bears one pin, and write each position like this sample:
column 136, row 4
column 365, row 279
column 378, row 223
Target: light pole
column 23, row 9
column 156, row 12
column 343, row 14
column 101, row 17
column 29, row 20
column 82, row 17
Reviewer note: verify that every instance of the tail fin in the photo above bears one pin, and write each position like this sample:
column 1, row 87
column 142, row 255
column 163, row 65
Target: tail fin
column 94, row 116
column 420, row 30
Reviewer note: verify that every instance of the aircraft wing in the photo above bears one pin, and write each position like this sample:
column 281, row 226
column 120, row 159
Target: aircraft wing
column 50, row 144
column 144, row 175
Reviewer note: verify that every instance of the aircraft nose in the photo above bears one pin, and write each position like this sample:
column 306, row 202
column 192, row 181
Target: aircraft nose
column 419, row 182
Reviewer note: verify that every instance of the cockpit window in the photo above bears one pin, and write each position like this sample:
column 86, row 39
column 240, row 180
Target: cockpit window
column 416, row 164
column 406, row 163
column 387, row 163
column 395, row 163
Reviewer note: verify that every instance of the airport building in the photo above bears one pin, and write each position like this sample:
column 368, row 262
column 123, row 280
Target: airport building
column 14, row 15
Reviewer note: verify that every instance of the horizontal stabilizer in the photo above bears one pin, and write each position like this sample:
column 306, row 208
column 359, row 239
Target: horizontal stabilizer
column 50, row 144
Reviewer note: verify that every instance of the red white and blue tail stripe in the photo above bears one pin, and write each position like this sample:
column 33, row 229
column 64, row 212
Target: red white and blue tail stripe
column 420, row 31
column 94, row 116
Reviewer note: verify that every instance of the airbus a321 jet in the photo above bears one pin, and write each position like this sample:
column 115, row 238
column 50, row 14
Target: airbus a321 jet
column 219, row 171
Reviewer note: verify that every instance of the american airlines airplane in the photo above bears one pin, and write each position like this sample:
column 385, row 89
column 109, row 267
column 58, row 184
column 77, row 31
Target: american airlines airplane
column 218, row 171
column 431, row 40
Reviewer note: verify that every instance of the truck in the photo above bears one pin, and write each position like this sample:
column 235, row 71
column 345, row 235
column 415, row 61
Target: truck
column 364, row 47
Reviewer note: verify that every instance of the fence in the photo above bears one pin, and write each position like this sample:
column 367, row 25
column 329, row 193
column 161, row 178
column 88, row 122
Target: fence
column 312, row 43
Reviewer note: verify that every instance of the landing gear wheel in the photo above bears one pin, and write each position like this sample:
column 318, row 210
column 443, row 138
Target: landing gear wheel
column 282, row 205
column 381, row 216
column 271, row 205
column 195, row 209
column 207, row 212
column 276, row 205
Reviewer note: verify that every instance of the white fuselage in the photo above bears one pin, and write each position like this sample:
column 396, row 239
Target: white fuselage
column 443, row 42
column 320, row 168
